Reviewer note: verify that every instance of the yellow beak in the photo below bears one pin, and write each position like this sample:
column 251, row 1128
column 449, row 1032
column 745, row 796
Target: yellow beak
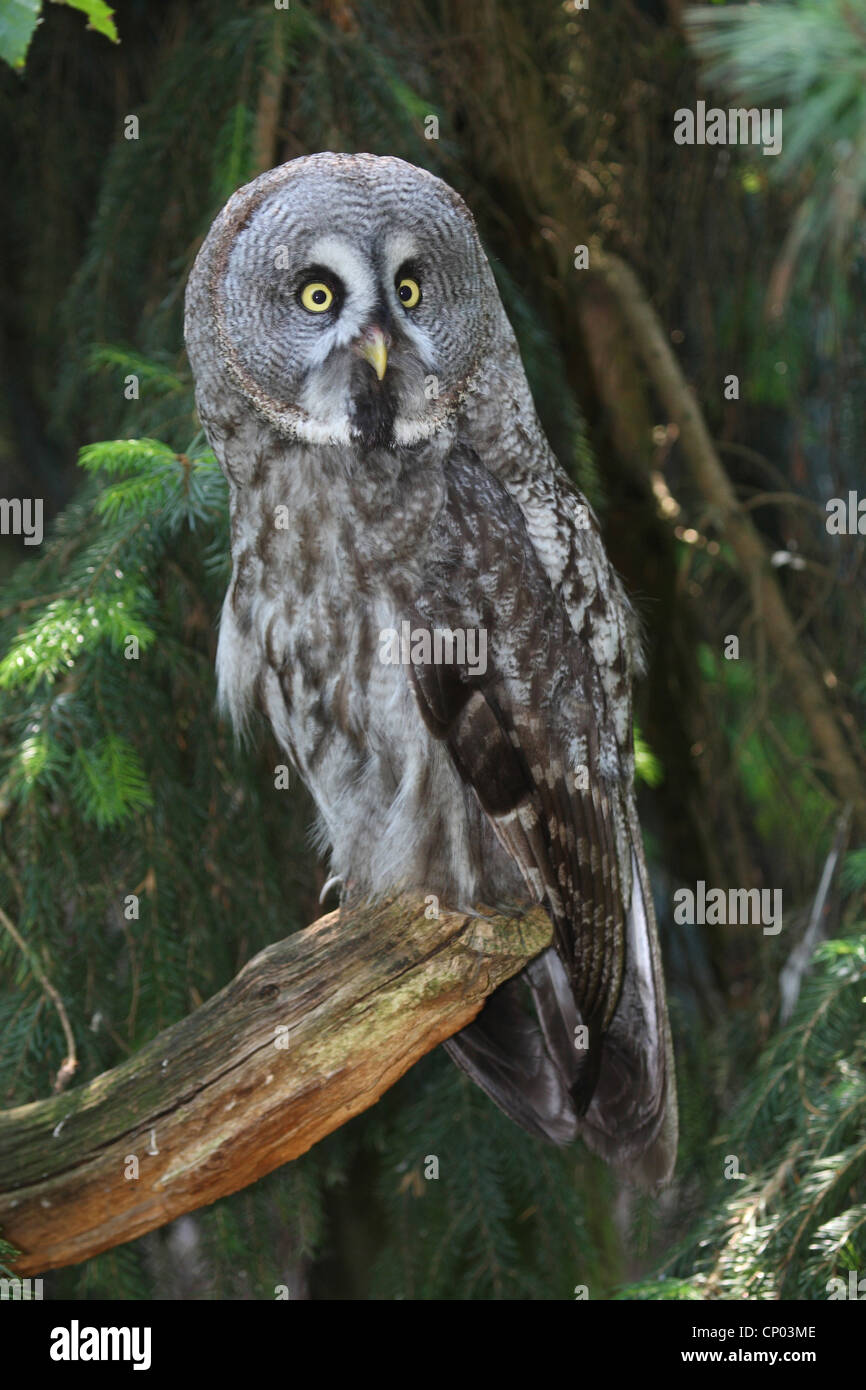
column 374, row 349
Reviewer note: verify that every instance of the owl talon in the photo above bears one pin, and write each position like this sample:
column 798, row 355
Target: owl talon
column 474, row 912
column 514, row 911
column 481, row 959
column 331, row 883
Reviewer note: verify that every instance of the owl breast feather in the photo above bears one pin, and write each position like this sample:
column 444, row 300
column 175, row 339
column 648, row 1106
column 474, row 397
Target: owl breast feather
column 303, row 637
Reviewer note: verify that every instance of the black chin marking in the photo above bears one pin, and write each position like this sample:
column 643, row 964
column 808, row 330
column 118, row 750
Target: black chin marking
column 374, row 408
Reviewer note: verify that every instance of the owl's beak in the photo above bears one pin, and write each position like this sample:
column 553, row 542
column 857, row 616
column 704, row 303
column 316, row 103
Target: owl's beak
column 373, row 347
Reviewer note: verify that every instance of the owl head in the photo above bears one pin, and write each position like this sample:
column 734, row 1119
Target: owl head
column 343, row 298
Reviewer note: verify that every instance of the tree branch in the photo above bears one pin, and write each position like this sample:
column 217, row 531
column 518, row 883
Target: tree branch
column 311, row 1032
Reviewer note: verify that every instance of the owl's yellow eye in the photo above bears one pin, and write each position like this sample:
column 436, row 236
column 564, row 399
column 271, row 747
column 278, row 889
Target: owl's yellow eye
column 408, row 292
column 316, row 297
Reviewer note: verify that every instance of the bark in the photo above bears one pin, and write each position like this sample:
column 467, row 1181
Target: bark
column 311, row 1032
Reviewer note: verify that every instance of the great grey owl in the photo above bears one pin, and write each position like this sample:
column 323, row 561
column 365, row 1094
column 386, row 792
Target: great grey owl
column 422, row 606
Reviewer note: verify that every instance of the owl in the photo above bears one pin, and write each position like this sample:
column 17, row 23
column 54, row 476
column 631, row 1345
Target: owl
column 422, row 607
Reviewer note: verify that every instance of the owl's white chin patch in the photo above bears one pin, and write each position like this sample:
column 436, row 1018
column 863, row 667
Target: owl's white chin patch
column 318, row 432
column 413, row 431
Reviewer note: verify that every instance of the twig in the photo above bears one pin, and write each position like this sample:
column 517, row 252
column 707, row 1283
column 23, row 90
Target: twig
column 795, row 967
column 69, row 1065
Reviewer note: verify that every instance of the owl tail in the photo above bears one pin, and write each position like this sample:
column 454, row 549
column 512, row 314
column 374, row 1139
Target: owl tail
column 521, row 1051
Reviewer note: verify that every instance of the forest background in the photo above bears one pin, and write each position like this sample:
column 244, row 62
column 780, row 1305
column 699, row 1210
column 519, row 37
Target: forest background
column 720, row 286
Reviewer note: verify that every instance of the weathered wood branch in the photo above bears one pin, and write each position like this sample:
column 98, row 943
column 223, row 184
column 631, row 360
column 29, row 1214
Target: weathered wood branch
column 311, row 1032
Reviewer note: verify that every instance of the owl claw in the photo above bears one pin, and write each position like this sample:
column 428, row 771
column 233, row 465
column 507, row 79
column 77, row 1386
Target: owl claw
column 500, row 908
column 473, row 912
column 511, row 910
column 331, row 883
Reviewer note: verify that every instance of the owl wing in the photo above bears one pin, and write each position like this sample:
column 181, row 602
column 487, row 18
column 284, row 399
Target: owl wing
column 531, row 735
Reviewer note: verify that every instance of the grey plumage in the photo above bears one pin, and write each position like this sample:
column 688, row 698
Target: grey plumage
column 365, row 495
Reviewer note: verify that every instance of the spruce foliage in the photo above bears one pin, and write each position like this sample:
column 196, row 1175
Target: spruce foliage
column 795, row 1217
